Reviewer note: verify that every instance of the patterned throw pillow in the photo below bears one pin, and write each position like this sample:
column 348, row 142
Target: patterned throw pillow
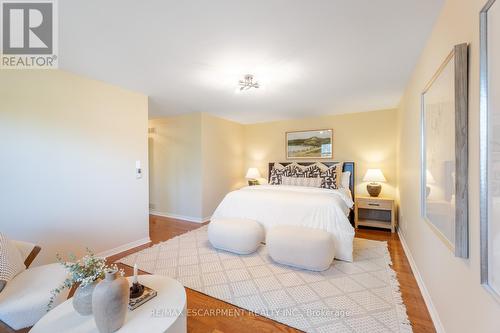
column 295, row 170
column 277, row 172
column 291, row 170
column 11, row 262
column 301, row 181
column 330, row 176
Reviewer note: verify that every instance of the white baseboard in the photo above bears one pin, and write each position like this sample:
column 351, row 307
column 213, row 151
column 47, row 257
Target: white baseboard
column 421, row 285
column 124, row 247
column 181, row 217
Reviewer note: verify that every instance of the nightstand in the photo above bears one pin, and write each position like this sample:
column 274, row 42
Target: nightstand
column 375, row 212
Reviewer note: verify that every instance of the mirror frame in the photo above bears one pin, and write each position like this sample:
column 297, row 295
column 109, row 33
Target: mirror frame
column 484, row 148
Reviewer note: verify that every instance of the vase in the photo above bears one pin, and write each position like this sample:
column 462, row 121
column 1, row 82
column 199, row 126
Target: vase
column 110, row 302
column 82, row 299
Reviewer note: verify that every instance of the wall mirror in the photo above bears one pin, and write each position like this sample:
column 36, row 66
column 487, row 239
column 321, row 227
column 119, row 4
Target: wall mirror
column 444, row 189
column 490, row 147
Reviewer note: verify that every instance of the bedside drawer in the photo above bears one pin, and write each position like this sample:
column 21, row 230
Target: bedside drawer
column 374, row 204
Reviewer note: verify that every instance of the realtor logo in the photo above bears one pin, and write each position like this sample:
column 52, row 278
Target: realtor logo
column 29, row 34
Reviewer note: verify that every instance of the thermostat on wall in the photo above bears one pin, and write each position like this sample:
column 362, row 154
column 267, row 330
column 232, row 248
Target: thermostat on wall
column 138, row 170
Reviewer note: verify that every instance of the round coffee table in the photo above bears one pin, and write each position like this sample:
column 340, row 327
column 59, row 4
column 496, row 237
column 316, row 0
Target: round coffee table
column 164, row 313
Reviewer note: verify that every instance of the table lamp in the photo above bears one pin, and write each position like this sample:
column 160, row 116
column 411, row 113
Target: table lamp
column 252, row 175
column 429, row 180
column 374, row 177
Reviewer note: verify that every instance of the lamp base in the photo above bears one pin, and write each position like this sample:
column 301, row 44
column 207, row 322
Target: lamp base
column 374, row 189
column 252, row 182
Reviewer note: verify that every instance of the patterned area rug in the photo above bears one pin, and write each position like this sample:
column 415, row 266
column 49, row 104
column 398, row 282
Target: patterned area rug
column 362, row 296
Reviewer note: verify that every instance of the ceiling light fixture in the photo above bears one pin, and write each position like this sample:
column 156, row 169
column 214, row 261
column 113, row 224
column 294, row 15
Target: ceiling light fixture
column 248, row 83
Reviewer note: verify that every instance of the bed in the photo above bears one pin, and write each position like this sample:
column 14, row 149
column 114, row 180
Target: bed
column 319, row 208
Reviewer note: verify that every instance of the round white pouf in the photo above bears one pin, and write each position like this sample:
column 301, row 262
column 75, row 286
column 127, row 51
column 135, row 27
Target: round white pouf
column 240, row 236
column 301, row 247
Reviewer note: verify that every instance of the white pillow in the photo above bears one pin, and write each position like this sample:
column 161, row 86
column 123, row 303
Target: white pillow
column 301, row 181
column 346, row 179
column 11, row 262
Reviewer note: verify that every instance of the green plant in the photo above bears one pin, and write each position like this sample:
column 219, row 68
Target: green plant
column 83, row 272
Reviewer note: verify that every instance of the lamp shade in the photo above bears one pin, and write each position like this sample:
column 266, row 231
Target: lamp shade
column 429, row 178
column 374, row 175
column 253, row 173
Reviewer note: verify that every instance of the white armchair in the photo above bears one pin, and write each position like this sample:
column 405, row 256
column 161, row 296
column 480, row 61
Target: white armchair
column 24, row 299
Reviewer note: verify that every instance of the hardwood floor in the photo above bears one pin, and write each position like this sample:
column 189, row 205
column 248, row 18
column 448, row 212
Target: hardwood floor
column 243, row 321
column 162, row 229
column 415, row 305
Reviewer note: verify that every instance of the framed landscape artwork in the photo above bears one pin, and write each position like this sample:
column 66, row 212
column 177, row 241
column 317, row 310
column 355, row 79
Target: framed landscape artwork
column 309, row 144
column 445, row 152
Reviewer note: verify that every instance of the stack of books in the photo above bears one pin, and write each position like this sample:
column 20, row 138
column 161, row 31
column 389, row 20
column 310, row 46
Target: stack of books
column 148, row 294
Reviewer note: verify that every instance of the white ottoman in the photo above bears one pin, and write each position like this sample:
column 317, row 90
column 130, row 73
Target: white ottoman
column 301, row 247
column 235, row 235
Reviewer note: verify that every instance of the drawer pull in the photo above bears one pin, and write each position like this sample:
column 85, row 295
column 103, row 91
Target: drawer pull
column 374, row 204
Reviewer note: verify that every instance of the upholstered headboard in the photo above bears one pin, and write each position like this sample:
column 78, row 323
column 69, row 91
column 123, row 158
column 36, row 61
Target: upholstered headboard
column 347, row 166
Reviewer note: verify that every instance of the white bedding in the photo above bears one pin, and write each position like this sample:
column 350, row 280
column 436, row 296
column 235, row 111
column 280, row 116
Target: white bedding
column 294, row 205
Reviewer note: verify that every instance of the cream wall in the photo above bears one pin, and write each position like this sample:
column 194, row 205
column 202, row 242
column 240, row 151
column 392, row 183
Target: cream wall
column 367, row 138
column 222, row 149
column 459, row 301
column 68, row 147
column 176, row 166
column 195, row 160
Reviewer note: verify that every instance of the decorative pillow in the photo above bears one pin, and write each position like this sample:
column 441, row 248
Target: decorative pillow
column 330, row 175
column 11, row 262
column 346, row 179
column 301, row 181
column 295, row 170
column 320, row 166
column 291, row 170
column 277, row 172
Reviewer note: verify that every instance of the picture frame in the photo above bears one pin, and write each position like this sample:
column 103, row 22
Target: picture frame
column 489, row 148
column 444, row 152
column 309, row 144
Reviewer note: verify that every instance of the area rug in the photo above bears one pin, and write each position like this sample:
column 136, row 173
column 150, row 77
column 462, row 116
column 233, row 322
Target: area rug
column 362, row 296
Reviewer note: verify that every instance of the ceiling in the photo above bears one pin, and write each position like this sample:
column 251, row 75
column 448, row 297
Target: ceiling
column 310, row 57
